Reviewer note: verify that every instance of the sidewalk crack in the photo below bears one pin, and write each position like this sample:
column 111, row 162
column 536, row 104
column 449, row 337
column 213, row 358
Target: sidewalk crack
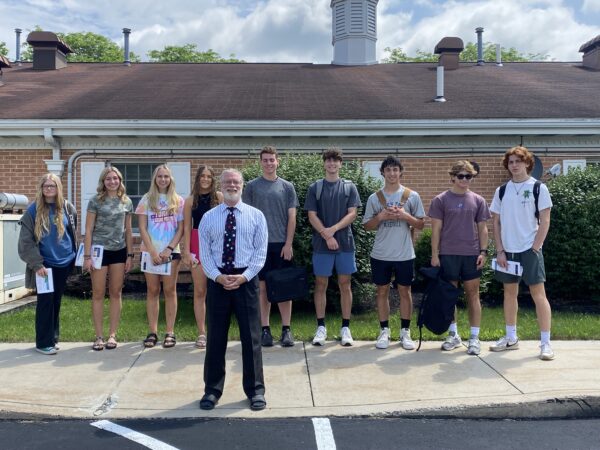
column 501, row 376
column 312, row 395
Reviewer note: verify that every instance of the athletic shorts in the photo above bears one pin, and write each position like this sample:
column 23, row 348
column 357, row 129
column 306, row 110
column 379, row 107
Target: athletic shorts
column 459, row 267
column 323, row 263
column 274, row 260
column 114, row 257
column 533, row 268
column 403, row 271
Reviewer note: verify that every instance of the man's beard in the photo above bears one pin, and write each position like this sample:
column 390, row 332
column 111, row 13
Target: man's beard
column 232, row 196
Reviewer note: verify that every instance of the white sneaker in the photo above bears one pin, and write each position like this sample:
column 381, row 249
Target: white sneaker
column 347, row 340
column 474, row 347
column 452, row 341
column 405, row 340
column 546, row 353
column 504, row 343
column 46, row 350
column 320, row 336
column 383, row 341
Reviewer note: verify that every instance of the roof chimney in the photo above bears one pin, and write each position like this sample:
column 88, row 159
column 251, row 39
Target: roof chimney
column 354, row 32
column 479, row 31
column 49, row 51
column 18, row 49
column 126, row 33
column 591, row 53
column 449, row 49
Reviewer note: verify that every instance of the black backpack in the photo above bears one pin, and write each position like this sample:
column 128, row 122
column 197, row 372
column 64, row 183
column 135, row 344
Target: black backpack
column 436, row 310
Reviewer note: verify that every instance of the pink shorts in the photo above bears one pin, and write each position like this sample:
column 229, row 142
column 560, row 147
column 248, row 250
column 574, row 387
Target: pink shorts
column 195, row 244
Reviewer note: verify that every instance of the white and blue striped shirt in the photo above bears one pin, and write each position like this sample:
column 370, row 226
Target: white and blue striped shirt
column 251, row 239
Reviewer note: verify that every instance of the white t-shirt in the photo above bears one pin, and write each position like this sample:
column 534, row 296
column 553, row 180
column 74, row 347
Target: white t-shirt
column 518, row 225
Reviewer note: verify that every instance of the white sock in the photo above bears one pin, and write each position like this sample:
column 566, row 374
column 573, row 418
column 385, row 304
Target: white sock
column 475, row 331
column 511, row 332
column 545, row 337
column 453, row 328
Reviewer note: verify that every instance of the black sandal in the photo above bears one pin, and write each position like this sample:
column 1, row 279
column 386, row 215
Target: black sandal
column 150, row 340
column 170, row 340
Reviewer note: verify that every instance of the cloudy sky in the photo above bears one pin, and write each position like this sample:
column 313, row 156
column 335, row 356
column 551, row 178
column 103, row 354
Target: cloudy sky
column 300, row 30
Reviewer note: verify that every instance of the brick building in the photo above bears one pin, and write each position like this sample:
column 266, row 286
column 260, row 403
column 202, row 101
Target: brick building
column 74, row 118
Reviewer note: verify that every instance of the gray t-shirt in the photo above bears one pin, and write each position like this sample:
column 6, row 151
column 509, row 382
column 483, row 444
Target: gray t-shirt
column 109, row 227
column 331, row 208
column 274, row 199
column 393, row 240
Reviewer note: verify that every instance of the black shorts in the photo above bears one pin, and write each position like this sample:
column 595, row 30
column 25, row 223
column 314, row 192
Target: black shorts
column 403, row 271
column 459, row 267
column 274, row 260
column 114, row 257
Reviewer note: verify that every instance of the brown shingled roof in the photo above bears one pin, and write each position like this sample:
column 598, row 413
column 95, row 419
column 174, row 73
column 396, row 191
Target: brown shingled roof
column 298, row 92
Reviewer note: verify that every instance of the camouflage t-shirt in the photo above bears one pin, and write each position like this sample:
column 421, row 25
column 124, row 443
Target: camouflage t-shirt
column 109, row 227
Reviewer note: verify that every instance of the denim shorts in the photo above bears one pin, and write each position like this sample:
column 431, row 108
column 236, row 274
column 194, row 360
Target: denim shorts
column 323, row 263
column 533, row 268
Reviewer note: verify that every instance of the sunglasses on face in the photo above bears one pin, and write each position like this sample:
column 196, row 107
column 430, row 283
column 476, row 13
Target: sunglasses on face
column 461, row 176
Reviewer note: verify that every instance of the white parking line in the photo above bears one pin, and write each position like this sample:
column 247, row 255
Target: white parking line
column 323, row 434
column 128, row 433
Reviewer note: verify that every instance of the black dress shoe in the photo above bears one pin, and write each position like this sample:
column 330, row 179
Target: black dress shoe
column 258, row 402
column 208, row 401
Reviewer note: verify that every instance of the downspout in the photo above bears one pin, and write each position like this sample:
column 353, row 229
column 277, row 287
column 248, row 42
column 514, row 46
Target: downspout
column 54, row 165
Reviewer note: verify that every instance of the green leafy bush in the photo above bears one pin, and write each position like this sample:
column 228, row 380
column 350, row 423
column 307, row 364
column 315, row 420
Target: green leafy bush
column 572, row 248
column 302, row 170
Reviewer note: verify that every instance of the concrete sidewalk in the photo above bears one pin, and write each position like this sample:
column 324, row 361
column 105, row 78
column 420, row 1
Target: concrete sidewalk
column 132, row 382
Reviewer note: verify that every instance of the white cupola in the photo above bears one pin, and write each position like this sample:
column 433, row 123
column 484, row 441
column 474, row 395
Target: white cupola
column 354, row 32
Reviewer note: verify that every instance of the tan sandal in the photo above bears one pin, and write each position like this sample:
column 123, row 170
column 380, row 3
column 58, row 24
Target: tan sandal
column 111, row 344
column 98, row 344
column 201, row 341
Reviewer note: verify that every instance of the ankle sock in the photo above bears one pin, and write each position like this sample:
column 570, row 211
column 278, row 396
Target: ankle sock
column 321, row 322
column 545, row 337
column 345, row 323
column 267, row 328
column 453, row 328
column 511, row 332
column 475, row 332
column 384, row 324
column 404, row 323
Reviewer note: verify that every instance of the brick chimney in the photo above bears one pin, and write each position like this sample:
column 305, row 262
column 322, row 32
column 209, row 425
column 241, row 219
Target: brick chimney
column 591, row 53
column 449, row 49
column 354, row 32
column 49, row 51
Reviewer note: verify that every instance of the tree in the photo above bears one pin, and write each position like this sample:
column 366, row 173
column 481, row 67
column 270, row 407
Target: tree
column 3, row 49
column 188, row 53
column 87, row 47
column 396, row 55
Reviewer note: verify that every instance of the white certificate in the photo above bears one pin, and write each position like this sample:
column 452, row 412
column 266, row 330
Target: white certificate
column 148, row 265
column 45, row 284
column 97, row 254
column 513, row 267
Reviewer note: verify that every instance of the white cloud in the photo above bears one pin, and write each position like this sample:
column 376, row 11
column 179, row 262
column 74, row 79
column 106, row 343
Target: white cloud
column 590, row 6
column 300, row 31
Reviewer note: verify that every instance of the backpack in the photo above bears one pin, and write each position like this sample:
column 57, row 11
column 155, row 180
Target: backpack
column 347, row 184
column 536, row 196
column 436, row 310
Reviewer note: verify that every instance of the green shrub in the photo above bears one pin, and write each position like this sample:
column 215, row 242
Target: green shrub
column 302, row 170
column 572, row 248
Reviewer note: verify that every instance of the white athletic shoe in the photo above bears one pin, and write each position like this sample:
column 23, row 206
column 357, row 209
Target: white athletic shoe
column 546, row 353
column 405, row 340
column 347, row 340
column 452, row 341
column 320, row 336
column 504, row 343
column 474, row 347
column 383, row 341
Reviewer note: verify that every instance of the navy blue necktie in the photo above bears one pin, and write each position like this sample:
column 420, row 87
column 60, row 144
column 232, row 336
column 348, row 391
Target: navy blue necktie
column 229, row 242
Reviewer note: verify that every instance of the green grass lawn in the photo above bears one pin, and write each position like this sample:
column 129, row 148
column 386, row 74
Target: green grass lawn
column 76, row 323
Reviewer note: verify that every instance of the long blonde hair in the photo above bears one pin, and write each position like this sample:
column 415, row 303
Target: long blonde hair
column 153, row 194
column 101, row 189
column 42, row 209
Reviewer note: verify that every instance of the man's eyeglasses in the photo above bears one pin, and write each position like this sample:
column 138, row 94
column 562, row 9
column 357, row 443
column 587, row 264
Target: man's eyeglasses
column 462, row 176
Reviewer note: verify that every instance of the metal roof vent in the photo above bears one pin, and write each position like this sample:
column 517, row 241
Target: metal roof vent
column 591, row 53
column 354, row 32
column 449, row 49
column 49, row 51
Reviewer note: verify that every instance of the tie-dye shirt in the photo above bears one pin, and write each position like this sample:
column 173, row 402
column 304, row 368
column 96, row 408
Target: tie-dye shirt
column 162, row 226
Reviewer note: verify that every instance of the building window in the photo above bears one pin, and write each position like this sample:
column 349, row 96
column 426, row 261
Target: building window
column 137, row 178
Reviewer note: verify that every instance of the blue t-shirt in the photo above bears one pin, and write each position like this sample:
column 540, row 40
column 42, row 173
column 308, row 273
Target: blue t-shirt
column 56, row 253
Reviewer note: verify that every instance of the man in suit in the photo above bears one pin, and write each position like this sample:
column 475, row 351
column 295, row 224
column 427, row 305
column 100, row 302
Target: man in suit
column 233, row 247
